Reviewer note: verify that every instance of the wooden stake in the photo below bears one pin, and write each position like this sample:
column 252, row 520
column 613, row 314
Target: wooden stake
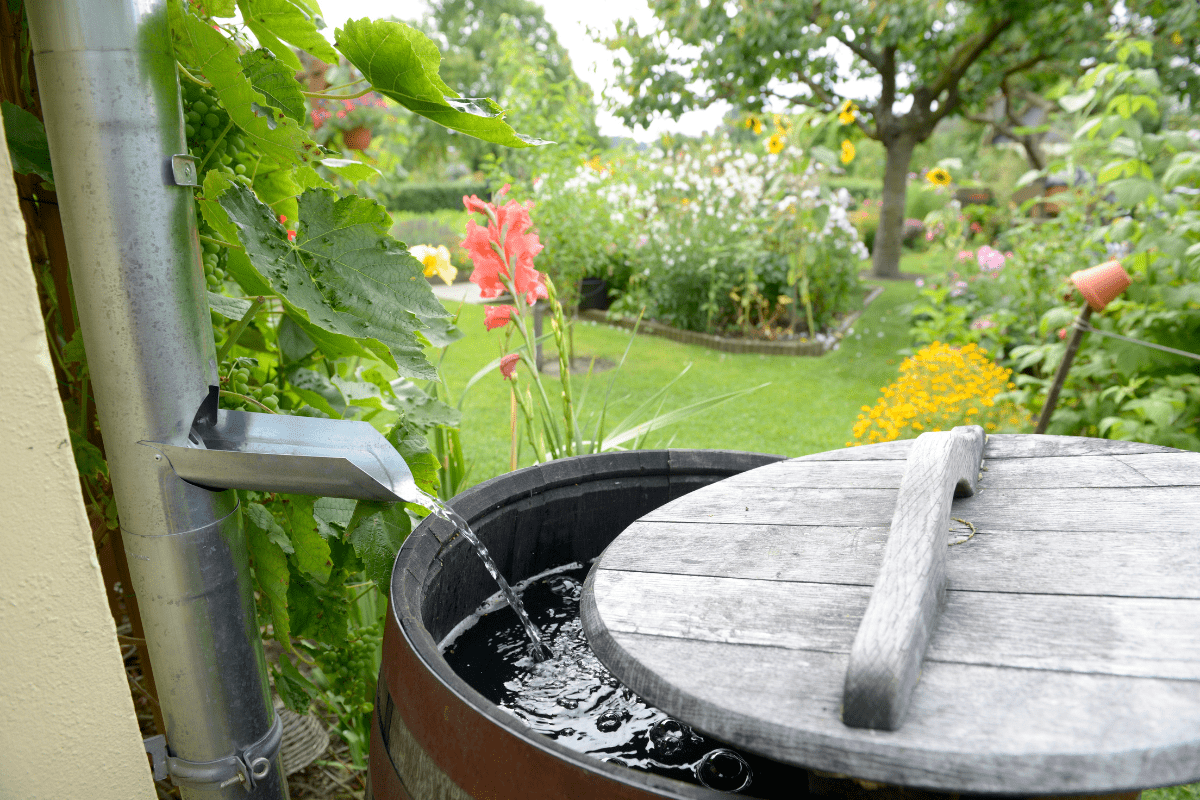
column 1063, row 367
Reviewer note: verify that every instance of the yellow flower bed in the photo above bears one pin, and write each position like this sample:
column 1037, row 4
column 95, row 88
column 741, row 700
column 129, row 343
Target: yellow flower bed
column 940, row 387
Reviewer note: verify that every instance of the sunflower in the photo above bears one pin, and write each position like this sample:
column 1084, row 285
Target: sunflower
column 754, row 124
column 938, row 177
column 847, row 112
column 848, row 152
column 775, row 143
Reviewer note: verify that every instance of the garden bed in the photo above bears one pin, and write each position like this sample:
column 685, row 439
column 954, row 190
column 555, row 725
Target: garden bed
column 734, row 344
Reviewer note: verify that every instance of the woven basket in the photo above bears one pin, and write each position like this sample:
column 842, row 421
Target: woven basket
column 304, row 738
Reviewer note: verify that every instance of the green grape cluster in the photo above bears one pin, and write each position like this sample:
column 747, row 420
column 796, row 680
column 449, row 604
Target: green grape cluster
column 214, row 260
column 212, row 139
column 353, row 668
column 239, row 380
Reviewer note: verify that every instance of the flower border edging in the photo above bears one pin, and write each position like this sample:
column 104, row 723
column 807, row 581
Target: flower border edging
column 729, row 345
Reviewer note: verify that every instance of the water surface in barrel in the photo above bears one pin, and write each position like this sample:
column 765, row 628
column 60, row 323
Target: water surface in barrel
column 572, row 698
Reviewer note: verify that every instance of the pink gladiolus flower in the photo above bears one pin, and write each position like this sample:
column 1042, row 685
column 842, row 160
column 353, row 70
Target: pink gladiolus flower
column 508, row 365
column 496, row 316
column 507, row 231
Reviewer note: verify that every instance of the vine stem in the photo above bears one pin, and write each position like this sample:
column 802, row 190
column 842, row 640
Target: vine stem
column 221, row 243
column 212, row 149
column 321, row 96
column 241, row 326
column 183, row 71
column 245, row 398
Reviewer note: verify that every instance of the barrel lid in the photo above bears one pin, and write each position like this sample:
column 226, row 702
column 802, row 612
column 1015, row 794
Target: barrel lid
column 1065, row 657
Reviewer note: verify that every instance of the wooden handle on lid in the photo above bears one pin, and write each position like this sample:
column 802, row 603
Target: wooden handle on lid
column 885, row 660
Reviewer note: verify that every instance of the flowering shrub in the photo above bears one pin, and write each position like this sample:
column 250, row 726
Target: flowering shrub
column 940, row 387
column 722, row 225
column 1145, row 209
column 689, row 233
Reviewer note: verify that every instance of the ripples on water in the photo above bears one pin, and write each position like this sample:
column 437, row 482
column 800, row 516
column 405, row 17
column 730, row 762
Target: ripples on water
column 572, row 698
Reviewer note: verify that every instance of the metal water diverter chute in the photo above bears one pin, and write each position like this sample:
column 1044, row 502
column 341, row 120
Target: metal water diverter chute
column 298, row 455
column 110, row 97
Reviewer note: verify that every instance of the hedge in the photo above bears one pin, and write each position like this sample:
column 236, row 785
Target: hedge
column 427, row 197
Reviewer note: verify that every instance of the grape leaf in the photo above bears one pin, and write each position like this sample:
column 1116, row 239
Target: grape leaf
column 283, row 19
column 218, row 8
column 275, row 81
column 402, row 63
column 196, row 43
column 228, row 307
column 293, row 342
column 258, row 516
column 316, row 390
column 353, row 171
column 318, row 611
column 344, row 273
column 312, row 551
column 360, row 393
column 376, row 532
column 270, row 41
column 263, row 535
column 422, row 410
column 294, row 689
column 409, row 440
column 28, row 147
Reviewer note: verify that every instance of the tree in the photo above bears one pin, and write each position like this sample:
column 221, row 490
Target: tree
column 929, row 60
column 473, row 36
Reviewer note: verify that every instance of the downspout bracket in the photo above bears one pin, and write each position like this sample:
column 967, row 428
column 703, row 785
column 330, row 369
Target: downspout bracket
column 251, row 765
column 184, row 171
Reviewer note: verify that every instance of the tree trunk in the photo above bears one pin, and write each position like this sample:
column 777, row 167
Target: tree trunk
column 885, row 260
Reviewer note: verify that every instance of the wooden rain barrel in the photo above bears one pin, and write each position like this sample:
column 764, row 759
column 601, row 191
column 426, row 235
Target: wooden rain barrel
column 1007, row 615
column 435, row 737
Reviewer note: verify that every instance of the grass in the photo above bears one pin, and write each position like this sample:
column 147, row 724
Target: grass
column 1189, row 792
column 809, row 406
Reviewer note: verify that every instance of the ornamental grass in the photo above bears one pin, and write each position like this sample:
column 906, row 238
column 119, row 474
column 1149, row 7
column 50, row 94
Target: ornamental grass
column 940, row 387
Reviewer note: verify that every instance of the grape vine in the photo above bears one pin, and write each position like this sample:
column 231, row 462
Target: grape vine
column 316, row 311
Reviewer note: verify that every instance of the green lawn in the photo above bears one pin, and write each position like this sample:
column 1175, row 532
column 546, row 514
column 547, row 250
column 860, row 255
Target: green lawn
column 809, row 406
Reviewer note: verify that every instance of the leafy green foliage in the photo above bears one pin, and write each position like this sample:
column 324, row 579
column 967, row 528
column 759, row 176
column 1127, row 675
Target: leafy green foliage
column 1115, row 389
column 507, row 50
column 28, row 148
column 275, row 81
column 402, row 64
column 343, row 273
column 218, row 59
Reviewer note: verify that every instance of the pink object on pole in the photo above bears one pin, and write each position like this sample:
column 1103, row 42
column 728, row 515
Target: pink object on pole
column 1101, row 284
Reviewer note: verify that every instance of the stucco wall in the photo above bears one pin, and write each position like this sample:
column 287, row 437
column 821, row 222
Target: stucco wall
column 67, row 726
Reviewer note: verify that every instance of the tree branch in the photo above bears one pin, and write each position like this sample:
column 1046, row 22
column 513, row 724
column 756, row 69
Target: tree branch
column 864, row 53
column 966, row 55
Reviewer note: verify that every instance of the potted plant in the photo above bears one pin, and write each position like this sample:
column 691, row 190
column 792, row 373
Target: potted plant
column 351, row 119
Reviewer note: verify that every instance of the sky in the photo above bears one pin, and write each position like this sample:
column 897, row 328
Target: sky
column 591, row 61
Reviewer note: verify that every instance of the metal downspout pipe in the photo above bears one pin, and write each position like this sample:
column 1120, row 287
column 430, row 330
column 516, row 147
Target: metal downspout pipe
column 110, row 95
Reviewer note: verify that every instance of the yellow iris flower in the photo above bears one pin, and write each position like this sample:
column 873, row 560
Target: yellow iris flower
column 436, row 261
column 848, row 151
column 938, row 177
